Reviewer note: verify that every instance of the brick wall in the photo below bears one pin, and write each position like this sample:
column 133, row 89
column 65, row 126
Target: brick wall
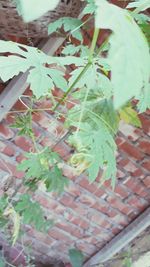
column 86, row 216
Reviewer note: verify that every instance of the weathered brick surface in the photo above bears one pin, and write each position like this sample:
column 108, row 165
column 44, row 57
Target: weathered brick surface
column 86, row 216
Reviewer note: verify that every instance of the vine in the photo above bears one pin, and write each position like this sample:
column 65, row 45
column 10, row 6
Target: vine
column 102, row 84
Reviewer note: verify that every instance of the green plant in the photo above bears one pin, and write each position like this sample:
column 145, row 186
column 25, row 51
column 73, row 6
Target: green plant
column 99, row 103
column 76, row 257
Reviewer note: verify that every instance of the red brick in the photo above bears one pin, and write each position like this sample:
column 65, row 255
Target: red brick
column 59, row 235
column 87, row 200
column 101, row 207
column 60, row 210
column 119, row 141
column 128, row 130
column 6, row 149
column 6, row 132
column 127, row 165
column 19, row 106
column 78, row 221
column 137, row 203
column 120, row 220
column 121, row 191
column 136, row 186
column 10, row 119
column 138, row 174
column 47, row 141
column 120, row 174
column 125, row 209
column 132, row 151
column 9, row 151
column 89, row 249
column 97, row 219
column 68, row 201
column 73, row 190
column 116, row 230
column 23, row 143
column 145, row 147
column 147, row 181
column 20, row 158
column 70, row 229
column 146, row 165
column 41, row 237
column 63, row 150
column 12, row 169
column 81, row 210
column 93, row 188
column 145, row 123
column 46, row 202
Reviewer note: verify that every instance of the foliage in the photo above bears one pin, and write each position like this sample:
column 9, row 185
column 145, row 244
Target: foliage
column 124, row 62
column 32, row 213
column 71, row 25
column 90, row 8
column 23, row 7
column 103, row 80
column 22, row 211
column 76, row 257
column 23, row 124
column 129, row 115
column 140, row 5
column 43, row 166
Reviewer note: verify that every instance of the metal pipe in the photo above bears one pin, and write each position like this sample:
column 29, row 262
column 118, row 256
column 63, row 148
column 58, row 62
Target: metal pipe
column 121, row 240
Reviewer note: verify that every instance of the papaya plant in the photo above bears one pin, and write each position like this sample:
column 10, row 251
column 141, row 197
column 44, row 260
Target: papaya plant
column 103, row 82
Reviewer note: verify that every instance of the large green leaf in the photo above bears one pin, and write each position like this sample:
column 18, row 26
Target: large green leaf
column 11, row 66
column 76, row 257
column 128, row 56
column 42, row 79
column 33, row 9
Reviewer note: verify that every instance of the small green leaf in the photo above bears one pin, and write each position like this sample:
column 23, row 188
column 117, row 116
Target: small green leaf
column 129, row 115
column 55, row 181
column 23, row 123
column 69, row 24
column 76, row 257
column 71, row 50
column 40, row 82
column 58, row 79
column 90, row 8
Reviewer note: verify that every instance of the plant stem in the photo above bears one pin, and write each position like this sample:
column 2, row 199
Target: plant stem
column 72, row 86
column 93, row 45
column 90, row 60
column 102, row 46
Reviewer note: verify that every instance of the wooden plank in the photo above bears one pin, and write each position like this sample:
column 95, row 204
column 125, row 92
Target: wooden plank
column 18, row 85
column 121, row 240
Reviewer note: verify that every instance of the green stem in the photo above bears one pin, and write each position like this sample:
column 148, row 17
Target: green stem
column 93, row 45
column 100, row 49
column 73, row 85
